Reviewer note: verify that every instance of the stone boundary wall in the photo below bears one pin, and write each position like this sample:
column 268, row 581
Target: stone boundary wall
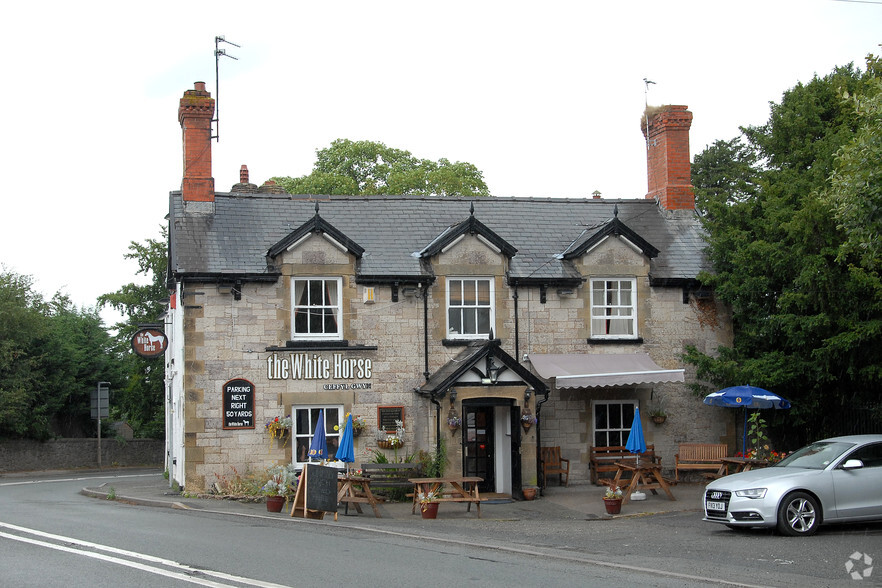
column 65, row 454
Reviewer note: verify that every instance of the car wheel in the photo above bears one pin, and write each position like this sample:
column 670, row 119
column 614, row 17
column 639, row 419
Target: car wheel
column 799, row 515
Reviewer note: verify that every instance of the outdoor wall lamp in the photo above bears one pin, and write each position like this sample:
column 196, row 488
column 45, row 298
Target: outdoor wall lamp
column 527, row 394
column 452, row 392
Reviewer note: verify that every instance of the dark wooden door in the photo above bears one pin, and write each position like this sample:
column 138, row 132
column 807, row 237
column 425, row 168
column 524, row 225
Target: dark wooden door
column 478, row 448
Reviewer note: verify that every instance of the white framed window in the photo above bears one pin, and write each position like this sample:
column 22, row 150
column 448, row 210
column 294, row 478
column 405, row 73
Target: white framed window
column 305, row 419
column 317, row 308
column 612, row 422
column 470, row 308
column 614, row 308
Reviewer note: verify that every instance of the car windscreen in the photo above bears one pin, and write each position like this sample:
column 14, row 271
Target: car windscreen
column 816, row 456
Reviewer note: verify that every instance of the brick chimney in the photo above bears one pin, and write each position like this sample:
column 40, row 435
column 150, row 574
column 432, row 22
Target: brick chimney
column 195, row 114
column 669, row 171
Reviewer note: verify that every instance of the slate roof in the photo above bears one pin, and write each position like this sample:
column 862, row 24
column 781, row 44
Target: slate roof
column 393, row 230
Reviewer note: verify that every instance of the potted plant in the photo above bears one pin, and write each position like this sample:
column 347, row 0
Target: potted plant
column 454, row 422
column 358, row 426
column 657, row 412
column 529, row 492
column 391, row 440
column 527, row 419
column 428, row 504
column 279, row 487
column 278, row 428
column 612, row 499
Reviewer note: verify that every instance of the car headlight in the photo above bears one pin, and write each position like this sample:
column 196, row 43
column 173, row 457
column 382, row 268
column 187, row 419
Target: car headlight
column 751, row 493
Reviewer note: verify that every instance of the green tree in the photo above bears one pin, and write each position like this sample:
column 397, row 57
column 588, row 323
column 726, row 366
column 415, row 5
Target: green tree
column 140, row 399
column 371, row 168
column 804, row 322
column 52, row 355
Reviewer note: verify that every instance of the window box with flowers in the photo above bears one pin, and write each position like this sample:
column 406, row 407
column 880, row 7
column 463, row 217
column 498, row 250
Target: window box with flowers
column 391, row 440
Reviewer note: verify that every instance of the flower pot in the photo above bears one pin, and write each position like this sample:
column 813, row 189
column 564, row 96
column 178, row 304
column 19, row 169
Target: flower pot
column 526, row 425
column 529, row 493
column 430, row 510
column 275, row 503
column 613, row 505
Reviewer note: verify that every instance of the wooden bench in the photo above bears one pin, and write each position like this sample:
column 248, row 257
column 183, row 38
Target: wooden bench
column 553, row 463
column 603, row 459
column 700, row 456
column 391, row 475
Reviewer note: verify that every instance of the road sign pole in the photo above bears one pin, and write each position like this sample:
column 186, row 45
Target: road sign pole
column 102, row 400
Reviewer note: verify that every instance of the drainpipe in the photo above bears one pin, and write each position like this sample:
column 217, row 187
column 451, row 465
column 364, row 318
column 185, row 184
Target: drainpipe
column 539, row 441
column 426, row 334
column 437, row 404
column 517, row 324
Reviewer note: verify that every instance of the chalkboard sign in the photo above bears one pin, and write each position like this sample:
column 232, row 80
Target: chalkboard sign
column 238, row 405
column 387, row 415
column 321, row 487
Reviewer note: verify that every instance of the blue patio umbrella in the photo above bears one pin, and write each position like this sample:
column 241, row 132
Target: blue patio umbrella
column 747, row 397
column 346, row 451
column 318, row 449
column 636, row 443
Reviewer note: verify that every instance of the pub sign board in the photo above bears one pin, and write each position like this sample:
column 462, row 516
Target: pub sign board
column 238, row 404
column 149, row 342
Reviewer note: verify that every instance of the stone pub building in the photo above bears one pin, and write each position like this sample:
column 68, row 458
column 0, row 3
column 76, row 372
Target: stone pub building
column 417, row 309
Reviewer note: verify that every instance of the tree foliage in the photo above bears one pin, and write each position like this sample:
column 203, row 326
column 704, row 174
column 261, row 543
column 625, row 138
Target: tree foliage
column 140, row 398
column 806, row 313
column 371, row 168
column 52, row 355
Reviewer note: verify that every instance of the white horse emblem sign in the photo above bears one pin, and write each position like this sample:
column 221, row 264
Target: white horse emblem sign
column 149, row 342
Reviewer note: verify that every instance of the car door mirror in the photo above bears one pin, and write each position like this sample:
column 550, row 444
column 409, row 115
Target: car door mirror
column 852, row 464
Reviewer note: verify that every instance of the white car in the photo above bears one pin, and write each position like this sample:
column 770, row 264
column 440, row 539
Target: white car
column 831, row 481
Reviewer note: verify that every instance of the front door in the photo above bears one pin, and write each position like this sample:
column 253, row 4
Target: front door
column 478, row 446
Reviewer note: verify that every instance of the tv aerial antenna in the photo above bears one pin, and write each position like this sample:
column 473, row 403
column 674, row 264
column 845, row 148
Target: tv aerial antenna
column 646, row 83
column 218, row 53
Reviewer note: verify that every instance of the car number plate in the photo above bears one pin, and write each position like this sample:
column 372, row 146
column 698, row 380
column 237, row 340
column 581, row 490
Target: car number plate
column 712, row 505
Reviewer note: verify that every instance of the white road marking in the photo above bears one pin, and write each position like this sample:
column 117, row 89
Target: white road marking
column 183, row 574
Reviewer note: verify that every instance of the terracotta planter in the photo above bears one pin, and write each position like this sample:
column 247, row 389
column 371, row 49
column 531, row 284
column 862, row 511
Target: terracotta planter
column 430, row 510
column 529, row 493
column 613, row 505
column 275, row 503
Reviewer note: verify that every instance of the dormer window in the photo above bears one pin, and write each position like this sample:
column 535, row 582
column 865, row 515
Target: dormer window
column 470, row 309
column 614, row 308
column 316, row 308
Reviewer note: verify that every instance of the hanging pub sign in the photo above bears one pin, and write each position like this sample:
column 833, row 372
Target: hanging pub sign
column 149, row 342
column 238, row 404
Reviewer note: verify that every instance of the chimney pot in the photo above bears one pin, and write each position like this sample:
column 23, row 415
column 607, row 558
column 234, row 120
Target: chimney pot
column 195, row 113
column 243, row 174
column 669, row 171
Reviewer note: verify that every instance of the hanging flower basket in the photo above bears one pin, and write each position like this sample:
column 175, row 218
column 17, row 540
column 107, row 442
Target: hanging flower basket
column 389, row 444
column 659, row 418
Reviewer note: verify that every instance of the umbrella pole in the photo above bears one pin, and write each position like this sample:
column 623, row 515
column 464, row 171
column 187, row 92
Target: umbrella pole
column 744, row 435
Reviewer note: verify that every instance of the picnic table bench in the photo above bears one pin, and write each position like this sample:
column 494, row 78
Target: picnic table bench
column 700, row 456
column 603, row 459
column 391, row 475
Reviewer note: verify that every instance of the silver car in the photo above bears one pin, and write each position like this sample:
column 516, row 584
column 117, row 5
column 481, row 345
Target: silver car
column 831, row 481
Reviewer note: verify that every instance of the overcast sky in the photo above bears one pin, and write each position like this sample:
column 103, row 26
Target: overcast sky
column 544, row 97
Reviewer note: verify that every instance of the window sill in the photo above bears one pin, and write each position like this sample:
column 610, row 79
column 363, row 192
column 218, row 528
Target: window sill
column 634, row 341
column 463, row 342
column 320, row 346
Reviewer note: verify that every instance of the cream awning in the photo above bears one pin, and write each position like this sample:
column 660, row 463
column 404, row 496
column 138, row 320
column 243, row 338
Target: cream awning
column 583, row 370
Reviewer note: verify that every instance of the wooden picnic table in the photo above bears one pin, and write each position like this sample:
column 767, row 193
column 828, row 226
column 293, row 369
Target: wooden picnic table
column 356, row 490
column 741, row 464
column 645, row 475
column 460, row 489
